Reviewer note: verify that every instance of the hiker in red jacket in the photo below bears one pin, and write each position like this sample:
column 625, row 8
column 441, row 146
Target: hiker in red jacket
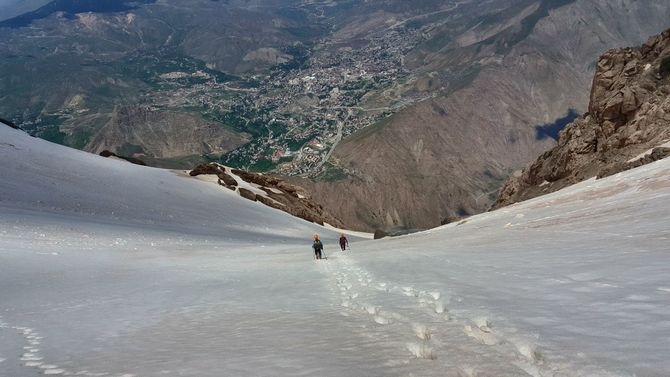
column 343, row 242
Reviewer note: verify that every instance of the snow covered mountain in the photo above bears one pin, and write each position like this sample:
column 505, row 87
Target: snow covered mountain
column 113, row 269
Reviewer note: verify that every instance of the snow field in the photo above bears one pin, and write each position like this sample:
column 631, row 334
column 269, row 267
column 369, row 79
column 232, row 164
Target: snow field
column 99, row 278
column 362, row 296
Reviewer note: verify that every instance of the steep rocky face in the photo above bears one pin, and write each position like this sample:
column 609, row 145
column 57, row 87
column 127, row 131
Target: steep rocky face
column 449, row 155
column 629, row 113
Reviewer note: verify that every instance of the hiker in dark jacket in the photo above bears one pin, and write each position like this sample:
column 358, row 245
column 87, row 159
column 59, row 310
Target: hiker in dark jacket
column 317, row 246
column 343, row 242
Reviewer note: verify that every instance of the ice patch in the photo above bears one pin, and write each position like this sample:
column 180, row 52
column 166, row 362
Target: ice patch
column 482, row 336
column 381, row 320
column 371, row 309
column 30, row 358
column 663, row 289
column 54, row 371
column 381, row 288
column 638, row 298
column 531, row 369
column 530, row 352
column 435, row 295
column 409, row 292
column 606, row 285
column 440, row 307
column 421, row 331
column 2, row 360
column 483, row 324
column 33, row 363
column 421, row 351
column 467, row 372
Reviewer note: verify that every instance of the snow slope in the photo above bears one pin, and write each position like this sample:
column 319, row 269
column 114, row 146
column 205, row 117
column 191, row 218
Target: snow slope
column 112, row 269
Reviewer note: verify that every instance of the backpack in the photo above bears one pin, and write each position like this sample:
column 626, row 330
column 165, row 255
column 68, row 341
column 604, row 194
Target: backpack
column 317, row 245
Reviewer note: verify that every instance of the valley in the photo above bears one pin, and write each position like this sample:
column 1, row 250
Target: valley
column 395, row 116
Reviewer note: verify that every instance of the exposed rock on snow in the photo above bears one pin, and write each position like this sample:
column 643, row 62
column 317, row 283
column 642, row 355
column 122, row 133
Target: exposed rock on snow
column 271, row 191
column 247, row 194
column 225, row 179
column 379, row 234
column 133, row 160
column 655, row 155
column 8, row 123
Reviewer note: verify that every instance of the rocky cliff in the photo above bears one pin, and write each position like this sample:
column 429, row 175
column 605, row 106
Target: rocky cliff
column 627, row 124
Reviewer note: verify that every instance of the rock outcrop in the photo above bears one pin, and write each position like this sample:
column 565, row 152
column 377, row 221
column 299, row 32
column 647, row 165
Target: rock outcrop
column 9, row 123
column 629, row 114
column 379, row 234
column 132, row 160
column 271, row 191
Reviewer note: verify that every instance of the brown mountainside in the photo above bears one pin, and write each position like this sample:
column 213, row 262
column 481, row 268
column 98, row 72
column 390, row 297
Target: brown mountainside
column 447, row 156
column 629, row 114
column 163, row 137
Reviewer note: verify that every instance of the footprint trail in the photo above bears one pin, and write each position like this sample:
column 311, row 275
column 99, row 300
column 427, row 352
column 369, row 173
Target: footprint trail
column 419, row 323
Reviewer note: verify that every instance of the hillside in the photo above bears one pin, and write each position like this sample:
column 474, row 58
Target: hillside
column 628, row 118
column 447, row 156
column 109, row 268
column 12, row 8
